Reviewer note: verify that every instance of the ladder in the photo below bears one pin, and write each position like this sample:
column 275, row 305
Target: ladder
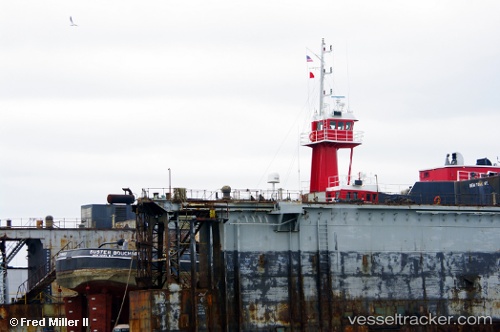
column 179, row 250
column 322, row 235
column 324, row 278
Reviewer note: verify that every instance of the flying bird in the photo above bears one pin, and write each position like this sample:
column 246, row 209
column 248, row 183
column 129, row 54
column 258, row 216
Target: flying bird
column 72, row 23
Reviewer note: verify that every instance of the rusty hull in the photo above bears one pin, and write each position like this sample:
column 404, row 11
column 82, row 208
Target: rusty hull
column 313, row 267
column 286, row 297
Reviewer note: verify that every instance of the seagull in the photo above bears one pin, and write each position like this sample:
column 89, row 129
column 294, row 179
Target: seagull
column 72, row 24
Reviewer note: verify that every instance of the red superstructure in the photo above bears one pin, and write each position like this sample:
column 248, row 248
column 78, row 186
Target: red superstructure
column 331, row 130
column 455, row 170
column 328, row 134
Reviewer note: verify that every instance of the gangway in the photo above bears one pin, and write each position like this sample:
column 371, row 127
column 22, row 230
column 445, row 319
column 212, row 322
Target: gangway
column 15, row 250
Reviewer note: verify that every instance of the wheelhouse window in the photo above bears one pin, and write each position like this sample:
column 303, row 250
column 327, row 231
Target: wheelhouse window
column 332, row 124
column 319, row 125
column 348, row 125
column 341, row 125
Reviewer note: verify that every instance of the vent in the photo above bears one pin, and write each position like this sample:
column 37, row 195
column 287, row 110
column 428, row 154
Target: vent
column 120, row 213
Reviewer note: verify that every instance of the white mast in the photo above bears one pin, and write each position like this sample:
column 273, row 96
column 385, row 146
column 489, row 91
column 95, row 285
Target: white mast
column 322, row 74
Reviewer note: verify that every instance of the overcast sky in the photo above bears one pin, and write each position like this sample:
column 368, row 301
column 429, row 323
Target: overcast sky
column 218, row 91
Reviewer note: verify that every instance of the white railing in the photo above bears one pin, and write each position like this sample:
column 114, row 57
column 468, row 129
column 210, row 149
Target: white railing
column 468, row 175
column 39, row 222
column 332, row 135
column 335, row 181
column 237, row 194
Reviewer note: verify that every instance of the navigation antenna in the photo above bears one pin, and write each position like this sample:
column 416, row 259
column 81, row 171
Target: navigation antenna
column 323, row 72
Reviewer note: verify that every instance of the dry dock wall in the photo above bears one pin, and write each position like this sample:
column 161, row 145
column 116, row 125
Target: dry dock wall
column 337, row 262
